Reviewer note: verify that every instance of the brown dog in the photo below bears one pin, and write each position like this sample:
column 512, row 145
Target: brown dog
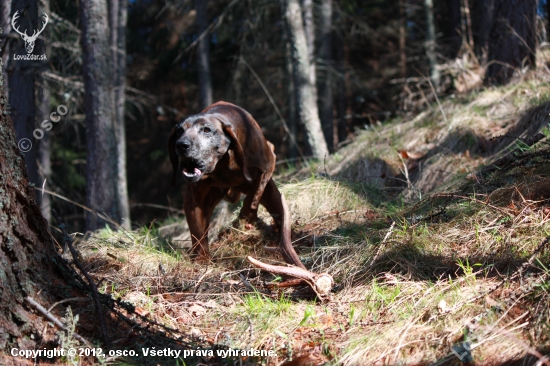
column 222, row 153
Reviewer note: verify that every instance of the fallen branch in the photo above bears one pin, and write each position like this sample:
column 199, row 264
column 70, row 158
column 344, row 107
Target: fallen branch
column 54, row 320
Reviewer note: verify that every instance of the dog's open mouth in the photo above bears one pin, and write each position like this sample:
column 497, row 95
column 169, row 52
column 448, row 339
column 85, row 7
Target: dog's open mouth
column 191, row 169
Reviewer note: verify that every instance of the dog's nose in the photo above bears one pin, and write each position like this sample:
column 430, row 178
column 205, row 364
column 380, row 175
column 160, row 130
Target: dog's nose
column 183, row 145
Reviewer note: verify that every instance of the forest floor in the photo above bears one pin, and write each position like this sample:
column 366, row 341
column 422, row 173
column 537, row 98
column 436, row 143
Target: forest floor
column 434, row 230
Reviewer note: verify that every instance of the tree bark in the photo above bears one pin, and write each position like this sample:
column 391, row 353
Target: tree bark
column 486, row 11
column 513, row 39
column 101, row 141
column 5, row 11
column 307, row 104
column 118, row 15
column 292, row 110
column 22, row 79
column 455, row 26
column 203, row 55
column 27, row 253
column 341, row 98
column 403, row 39
column 430, row 43
column 325, row 83
column 309, row 29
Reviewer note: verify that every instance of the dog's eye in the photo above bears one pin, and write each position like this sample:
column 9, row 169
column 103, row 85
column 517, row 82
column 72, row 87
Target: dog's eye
column 206, row 129
column 179, row 131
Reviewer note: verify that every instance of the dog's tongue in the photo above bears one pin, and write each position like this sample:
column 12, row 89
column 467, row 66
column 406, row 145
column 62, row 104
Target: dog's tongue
column 196, row 171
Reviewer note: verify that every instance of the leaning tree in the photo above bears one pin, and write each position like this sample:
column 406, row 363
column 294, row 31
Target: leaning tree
column 30, row 268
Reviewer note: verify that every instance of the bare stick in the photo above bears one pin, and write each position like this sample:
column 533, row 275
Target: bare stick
column 79, row 265
column 53, row 319
column 382, row 243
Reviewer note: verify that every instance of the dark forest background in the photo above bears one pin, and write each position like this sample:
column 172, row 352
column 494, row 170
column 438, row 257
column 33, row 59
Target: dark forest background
column 373, row 60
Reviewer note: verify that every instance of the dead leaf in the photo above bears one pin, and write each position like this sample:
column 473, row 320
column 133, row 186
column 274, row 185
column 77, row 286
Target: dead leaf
column 141, row 311
column 197, row 310
column 326, row 319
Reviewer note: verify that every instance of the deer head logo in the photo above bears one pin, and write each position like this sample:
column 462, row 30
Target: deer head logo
column 29, row 40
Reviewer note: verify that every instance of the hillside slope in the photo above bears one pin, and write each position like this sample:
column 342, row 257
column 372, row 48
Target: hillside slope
column 435, row 230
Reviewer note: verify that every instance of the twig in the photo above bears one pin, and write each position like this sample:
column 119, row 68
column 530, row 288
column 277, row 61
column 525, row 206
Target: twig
column 79, row 265
column 438, row 102
column 475, row 200
column 382, row 243
column 202, row 277
column 212, row 27
column 67, row 300
column 53, row 319
column 247, row 284
column 101, row 216
column 162, row 207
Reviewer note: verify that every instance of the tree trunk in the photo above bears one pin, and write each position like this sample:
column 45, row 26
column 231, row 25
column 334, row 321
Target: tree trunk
column 468, row 26
column 292, row 113
column 27, row 254
column 5, row 11
column 43, row 114
column 325, row 83
column 307, row 104
column 548, row 17
column 486, row 11
column 118, row 11
column 101, row 141
column 455, row 26
column 403, row 39
column 203, row 55
column 341, row 99
column 513, row 39
column 309, row 29
column 22, row 78
column 430, row 43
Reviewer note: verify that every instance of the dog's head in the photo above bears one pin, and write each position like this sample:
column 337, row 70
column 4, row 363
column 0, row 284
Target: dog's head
column 196, row 144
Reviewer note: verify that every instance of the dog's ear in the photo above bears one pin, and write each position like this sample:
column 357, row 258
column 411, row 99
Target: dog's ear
column 173, row 156
column 237, row 148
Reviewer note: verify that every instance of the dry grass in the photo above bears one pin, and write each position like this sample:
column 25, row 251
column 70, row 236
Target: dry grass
column 404, row 295
column 415, row 279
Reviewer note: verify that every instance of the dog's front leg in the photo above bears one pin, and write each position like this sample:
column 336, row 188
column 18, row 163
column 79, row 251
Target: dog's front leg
column 199, row 204
column 197, row 219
